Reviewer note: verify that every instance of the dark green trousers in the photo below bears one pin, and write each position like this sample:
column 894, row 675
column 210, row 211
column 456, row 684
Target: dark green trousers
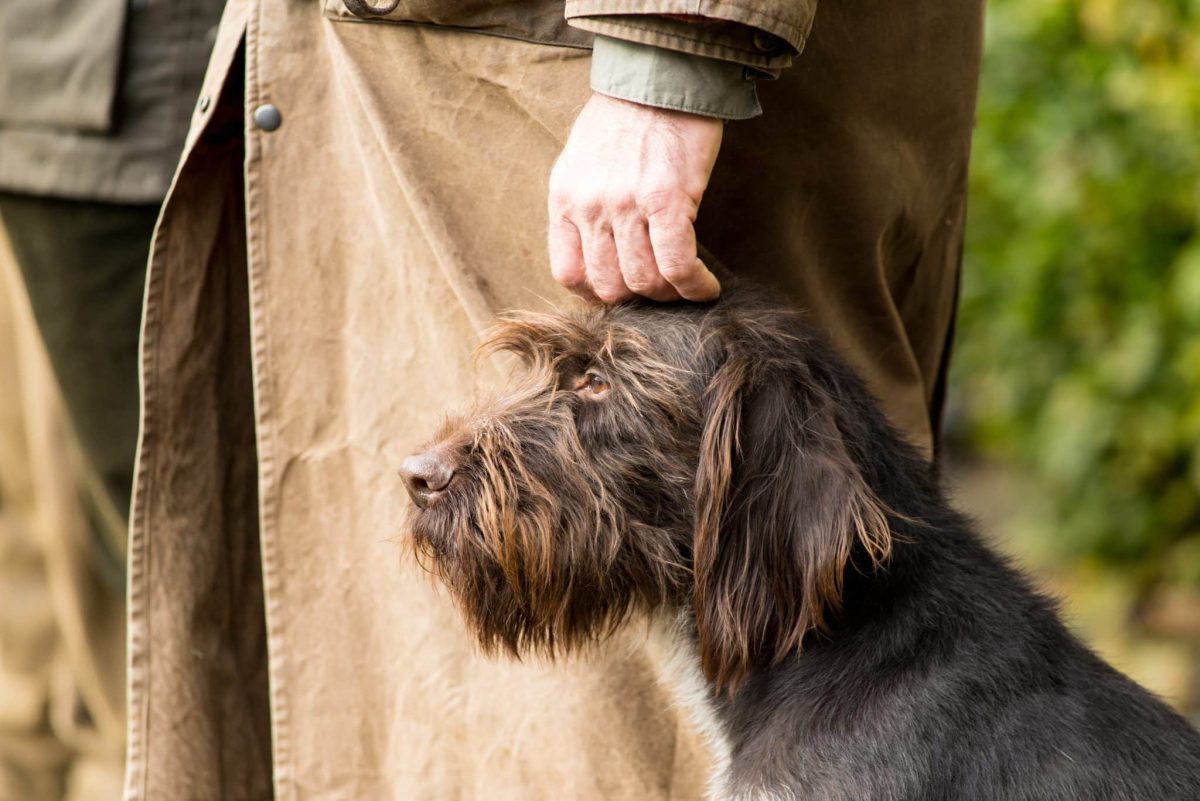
column 84, row 266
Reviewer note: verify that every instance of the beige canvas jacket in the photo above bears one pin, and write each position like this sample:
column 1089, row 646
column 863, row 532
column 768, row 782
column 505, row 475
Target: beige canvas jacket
column 315, row 290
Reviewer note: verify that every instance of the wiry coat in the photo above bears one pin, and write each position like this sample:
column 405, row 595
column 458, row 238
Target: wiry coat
column 721, row 469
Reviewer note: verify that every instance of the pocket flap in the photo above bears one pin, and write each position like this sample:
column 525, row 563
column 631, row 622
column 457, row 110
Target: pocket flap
column 538, row 21
column 59, row 62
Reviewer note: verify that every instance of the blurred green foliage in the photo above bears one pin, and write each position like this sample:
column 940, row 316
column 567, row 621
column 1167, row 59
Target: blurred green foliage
column 1079, row 341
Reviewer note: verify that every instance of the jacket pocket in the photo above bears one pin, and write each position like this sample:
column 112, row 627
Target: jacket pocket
column 59, row 62
column 538, row 21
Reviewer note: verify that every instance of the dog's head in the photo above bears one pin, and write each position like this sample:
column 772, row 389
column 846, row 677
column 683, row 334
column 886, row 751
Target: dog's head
column 652, row 456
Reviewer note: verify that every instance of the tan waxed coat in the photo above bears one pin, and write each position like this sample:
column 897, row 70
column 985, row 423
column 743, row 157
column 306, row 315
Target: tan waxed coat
column 313, row 298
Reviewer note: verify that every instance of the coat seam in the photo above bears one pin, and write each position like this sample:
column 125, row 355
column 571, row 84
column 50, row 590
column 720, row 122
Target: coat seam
column 137, row 635
column 727, row 52
column 266, row 446
column 673, row 105
column 598, row 8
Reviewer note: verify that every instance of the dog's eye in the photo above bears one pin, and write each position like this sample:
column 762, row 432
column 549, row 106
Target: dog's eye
column 592, row 384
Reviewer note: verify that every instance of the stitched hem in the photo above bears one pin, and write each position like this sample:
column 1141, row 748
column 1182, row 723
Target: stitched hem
column 697, row 7
column 622, row 29
column 793, row 29
column 672, row 105
column 662, row 78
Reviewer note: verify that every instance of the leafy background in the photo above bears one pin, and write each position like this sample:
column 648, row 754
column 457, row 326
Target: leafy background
column 1076, row 381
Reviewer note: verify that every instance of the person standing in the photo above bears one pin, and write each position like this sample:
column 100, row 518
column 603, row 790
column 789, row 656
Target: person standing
column 364, row 187
column 95, row 101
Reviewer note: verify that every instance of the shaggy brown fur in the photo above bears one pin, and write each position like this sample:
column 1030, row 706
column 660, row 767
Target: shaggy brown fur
column 599, row 484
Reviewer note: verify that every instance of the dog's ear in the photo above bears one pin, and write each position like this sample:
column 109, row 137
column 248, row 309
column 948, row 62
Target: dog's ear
column 781, row 507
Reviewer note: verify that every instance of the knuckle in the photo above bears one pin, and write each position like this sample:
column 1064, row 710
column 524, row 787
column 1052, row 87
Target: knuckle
column 590, row 210
column 569, row 280
column 676, row 271
column 620, row 202
column 559, row 203
column 658, row 198
column 566, row 273
column 644, row 288
column 643, row 282
column 659, row 290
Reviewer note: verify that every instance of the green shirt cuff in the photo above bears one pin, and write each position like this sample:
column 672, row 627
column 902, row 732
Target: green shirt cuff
column 655, row 76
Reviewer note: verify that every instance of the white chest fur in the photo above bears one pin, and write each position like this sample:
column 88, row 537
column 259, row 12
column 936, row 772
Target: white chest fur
column 672, row 648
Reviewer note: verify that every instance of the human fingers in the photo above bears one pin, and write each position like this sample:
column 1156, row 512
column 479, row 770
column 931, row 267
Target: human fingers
column 602, row 263
column 636, row 257
column 673, row 239
column 566, row 256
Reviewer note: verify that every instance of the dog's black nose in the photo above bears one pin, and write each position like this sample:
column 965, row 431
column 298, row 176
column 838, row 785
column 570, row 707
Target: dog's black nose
column 426, row 475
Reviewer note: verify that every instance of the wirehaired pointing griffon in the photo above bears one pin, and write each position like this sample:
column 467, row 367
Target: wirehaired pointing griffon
column 837, row 629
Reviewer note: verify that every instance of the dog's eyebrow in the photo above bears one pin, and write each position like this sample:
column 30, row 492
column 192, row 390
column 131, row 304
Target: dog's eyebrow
column 534, row 335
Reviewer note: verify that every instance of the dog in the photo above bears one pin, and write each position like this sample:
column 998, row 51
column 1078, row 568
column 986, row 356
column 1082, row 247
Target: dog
column 834, row 626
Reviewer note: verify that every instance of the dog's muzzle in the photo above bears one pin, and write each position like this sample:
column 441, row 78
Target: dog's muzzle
column 426, row 476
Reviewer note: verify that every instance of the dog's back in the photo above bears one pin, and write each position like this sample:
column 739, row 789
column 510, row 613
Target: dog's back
column 952, row 680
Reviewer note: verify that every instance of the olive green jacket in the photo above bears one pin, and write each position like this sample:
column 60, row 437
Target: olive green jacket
column 96, row 95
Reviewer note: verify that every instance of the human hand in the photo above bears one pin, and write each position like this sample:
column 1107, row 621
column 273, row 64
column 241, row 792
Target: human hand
column 624, row 195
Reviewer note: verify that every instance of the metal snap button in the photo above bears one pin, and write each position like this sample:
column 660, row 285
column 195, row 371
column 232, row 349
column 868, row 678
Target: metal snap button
column 267, row 117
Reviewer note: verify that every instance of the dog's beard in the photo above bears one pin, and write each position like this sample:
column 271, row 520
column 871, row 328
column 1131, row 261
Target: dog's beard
column 539, row 581
column 517, row 574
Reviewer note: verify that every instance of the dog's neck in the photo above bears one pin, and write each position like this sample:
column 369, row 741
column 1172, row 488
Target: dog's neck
column 737, row 770
column 673, row 647
column 757, row 736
